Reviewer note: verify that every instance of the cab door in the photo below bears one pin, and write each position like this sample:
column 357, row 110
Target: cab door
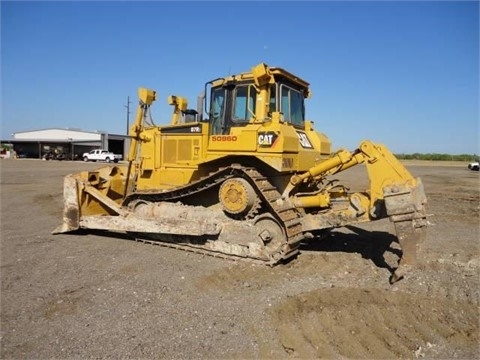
column 231, row 109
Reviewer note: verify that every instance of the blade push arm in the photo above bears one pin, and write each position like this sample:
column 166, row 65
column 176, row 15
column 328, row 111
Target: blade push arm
column 393, row 193
column 382, row 167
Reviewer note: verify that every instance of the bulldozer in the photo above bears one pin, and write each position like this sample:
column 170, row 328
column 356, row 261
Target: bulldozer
column 243, row 176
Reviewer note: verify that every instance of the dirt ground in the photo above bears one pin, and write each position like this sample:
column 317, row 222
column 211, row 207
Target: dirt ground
column 89, row 296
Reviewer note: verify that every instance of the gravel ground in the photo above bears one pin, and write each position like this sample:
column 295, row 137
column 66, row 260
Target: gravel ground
column 75, row 296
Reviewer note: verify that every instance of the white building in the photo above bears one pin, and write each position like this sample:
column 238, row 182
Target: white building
column 59, row 134
column 35, row 143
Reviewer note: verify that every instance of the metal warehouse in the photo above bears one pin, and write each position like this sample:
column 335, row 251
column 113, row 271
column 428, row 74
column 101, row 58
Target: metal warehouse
column 72, row 142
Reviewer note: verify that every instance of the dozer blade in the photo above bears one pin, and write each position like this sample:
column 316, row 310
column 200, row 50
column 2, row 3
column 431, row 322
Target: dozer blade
column 89, row 193
column 124, row 220
column 71, row 209
column 134, row 224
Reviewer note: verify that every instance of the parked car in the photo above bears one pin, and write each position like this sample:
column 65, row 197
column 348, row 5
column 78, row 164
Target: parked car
column 475, row 166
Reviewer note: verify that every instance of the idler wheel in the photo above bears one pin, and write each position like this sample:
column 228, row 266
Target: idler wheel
column 270, row 233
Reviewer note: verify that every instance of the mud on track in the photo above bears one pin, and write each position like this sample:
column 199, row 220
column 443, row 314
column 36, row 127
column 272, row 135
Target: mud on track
column 82, row 296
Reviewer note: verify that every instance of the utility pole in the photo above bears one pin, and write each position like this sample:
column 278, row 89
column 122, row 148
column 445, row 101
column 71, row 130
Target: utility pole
column 128, row 114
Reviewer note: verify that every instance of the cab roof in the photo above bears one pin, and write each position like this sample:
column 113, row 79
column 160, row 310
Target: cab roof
column 278, row 73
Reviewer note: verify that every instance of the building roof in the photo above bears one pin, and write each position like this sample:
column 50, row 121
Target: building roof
column 67, row 134
column 64, row 129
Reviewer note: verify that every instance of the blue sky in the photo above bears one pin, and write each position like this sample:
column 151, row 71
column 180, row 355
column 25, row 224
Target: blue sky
column 405, row 74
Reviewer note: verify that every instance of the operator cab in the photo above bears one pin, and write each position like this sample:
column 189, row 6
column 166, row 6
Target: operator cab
column 235, row 100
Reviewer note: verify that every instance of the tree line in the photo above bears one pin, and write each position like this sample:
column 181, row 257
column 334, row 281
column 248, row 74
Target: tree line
column 441, row 157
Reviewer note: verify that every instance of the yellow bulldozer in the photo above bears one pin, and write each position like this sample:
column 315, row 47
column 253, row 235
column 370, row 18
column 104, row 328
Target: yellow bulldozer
column 244, row 176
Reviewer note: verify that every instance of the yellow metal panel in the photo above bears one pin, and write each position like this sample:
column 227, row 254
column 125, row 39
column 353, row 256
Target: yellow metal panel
column 240, row 139
column 289, row 163
column 290, row 142
column 196, row 149
column 307, row 158
column 173, row 177
column 169, row 151
column 146, row 154
column 184, row 150
column 325, row 145
column 157, row 151
column 233, row 143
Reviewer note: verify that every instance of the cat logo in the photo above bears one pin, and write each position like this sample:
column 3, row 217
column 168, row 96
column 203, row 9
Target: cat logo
column 302, row 137
column 267, row 139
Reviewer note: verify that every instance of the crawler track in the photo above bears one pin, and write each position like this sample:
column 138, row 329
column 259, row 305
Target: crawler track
column 271, row 203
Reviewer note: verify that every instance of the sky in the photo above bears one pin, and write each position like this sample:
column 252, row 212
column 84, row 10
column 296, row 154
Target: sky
column 401, row 73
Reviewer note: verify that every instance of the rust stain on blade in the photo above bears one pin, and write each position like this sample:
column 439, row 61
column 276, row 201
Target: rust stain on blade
column 71, row 212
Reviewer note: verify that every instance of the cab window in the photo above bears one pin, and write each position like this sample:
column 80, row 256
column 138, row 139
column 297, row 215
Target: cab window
column 244, row 103
column 292, row 105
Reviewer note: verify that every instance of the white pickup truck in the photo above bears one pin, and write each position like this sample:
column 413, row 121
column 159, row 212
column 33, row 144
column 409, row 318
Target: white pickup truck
column 475, row 166
column 101, row 155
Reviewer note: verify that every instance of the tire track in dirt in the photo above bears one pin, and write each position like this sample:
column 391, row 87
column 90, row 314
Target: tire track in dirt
column 375, row 323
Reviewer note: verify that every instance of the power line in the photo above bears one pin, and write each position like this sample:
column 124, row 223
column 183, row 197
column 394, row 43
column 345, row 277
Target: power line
column 128, row 114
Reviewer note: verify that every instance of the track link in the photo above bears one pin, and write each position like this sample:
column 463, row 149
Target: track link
column 284, row 213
